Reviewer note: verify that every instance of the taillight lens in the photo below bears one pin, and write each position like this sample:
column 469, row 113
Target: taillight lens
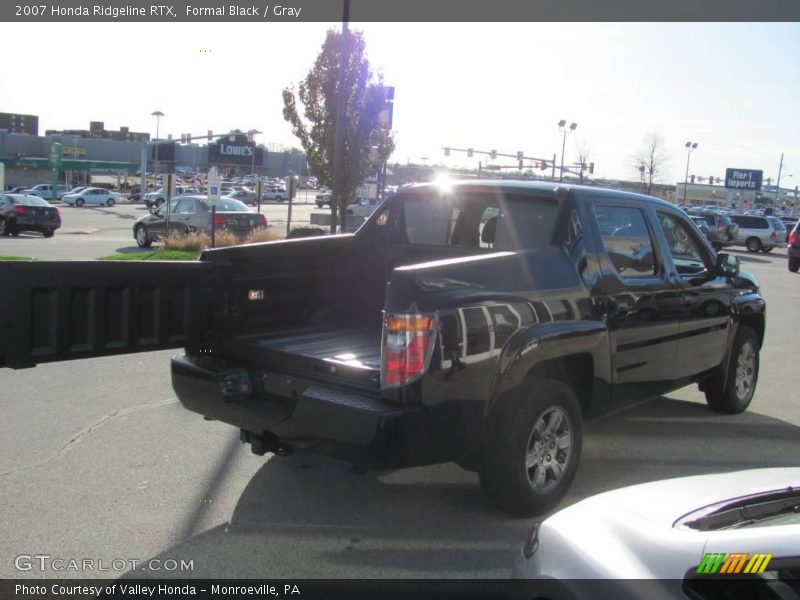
column 20, row 210
column 773, row 235
column 793, row 238
column 219, row 220
column 263, row 220
column 58, row 213
column 407, row 343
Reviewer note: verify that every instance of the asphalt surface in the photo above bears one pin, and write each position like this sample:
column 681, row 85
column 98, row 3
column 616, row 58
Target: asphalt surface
column 99, row 461
column 90, row 232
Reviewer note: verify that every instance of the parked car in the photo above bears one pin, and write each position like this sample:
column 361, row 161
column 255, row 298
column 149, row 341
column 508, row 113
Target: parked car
column 481, row 324
column 245, row 196
column 789, row 223
column 20, row 212
column 731, row 535
column 364, row 207
column 324, row 197
column 91, row 195
column 192, row 213
column 274, row 193
column 702, row 225
column 759, row 233
column 793, row 248
column 722, row 230
column 45, row 190
column 156, row 198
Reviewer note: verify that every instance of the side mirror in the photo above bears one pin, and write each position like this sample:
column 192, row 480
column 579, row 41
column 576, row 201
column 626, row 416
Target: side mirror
column 727, row 265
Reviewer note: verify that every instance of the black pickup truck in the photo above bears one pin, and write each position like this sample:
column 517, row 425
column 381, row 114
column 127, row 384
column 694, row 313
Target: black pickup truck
column 479, row 323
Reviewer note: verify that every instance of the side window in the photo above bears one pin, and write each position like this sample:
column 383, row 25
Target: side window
column 686, row 251
column 627, row 240
column 185, row 207
column 427, row 221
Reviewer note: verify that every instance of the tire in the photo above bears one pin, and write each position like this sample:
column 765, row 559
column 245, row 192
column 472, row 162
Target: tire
column 5, row 229
column 48, row 233
column 753, row 244
column 320, row 204
column 142, row 239
column 533, row 455
column 79, row 202
column 110, row 202
column 733, row 395
column 766, row 249
column 794, row 264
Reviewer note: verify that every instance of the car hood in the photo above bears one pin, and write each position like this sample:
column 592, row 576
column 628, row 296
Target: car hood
column 630, row 532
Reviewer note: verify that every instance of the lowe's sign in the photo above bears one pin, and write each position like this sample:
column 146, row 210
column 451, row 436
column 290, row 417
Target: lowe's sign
column 743, row 179
column 234, row 152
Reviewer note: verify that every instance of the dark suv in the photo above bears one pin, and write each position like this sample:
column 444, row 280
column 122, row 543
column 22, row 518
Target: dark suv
column 722, row 231
column 793, row 249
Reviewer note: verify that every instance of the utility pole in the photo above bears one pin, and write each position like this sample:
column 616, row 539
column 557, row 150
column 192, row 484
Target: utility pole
column 778, row 183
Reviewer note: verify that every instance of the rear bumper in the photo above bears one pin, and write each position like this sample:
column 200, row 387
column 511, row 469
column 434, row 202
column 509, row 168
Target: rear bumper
column 277, row 408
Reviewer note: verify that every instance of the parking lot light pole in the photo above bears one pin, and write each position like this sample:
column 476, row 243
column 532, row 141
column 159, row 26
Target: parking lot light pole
column 562, row 126
column 690, row 147
column 157, row 114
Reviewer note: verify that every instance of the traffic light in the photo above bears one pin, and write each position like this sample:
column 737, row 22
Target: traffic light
column 692, row 178
column 210, row 135
column 711, row 180
column 520, row 164
column 469, row 152
column 447, row 151
column 493, row 154
column 543, row 165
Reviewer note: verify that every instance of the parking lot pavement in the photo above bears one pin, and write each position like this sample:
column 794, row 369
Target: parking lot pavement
column 98, row 460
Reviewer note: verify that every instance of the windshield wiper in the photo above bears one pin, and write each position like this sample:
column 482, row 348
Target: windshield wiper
column 748, row 511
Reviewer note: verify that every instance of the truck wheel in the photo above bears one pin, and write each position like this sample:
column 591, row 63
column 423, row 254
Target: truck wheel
column 794, row 264
column 142, row 239
column 734, row 395
column 530, row 463
column 753, row 244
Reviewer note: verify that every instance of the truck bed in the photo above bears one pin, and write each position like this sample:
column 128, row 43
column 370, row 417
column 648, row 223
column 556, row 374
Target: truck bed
column 350, row 356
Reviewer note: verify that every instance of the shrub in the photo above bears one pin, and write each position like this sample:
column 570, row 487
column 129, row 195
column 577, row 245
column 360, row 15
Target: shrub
column 191, row 242
column 261, row 235
column 224, row 238
column 299, row 232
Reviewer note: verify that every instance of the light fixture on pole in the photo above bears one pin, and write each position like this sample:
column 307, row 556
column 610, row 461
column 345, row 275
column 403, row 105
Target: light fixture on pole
column 690, row 147
column 157, row 114
column 562, row 126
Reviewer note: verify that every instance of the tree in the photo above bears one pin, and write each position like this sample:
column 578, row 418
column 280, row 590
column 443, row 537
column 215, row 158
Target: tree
column 584, row 150
column 650, row 161
column 366, row 145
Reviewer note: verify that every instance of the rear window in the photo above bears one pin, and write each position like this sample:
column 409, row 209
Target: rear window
column 230, row 205
column 29, row 201
column 490, row 220
column 777, row 223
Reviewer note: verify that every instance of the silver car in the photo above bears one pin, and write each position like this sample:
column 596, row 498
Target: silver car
column 759, row 233
column 677, row 536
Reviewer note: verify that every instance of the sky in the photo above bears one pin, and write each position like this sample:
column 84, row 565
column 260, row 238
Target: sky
column 733, row 88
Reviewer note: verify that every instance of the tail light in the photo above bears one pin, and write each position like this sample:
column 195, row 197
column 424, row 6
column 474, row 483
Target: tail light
column 793, row 238
column 20, row 210
column 407, row 347
column 263, row 220
column 58, row 213
column 773, row 235
column 220, row 220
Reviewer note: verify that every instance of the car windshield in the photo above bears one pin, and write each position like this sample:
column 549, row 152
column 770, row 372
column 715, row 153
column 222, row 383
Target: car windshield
column 29, row 201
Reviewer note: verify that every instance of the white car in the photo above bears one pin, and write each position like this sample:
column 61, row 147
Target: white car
column 681, row 534
column 156, row 198
column 45, row 190
column 274, row 193
column 364, row 207
column 92, row 195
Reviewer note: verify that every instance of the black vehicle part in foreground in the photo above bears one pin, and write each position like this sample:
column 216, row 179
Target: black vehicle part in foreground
column 480, row 324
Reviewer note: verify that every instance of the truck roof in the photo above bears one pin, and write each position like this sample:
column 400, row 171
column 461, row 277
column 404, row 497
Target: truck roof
column 542, row 186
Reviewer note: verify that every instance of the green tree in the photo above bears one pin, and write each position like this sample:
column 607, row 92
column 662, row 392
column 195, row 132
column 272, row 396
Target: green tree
column 366, row 145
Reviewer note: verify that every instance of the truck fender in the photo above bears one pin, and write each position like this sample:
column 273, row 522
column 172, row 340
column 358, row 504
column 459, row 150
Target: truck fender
column 543, row 342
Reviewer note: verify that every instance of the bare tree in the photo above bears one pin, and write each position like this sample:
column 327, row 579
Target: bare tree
column 584, row 150
column 650, row 162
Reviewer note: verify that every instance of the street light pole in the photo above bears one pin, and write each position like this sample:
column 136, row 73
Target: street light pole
column 690, row 146
column 157, row 114
column 563, row 128
column 778, row 183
